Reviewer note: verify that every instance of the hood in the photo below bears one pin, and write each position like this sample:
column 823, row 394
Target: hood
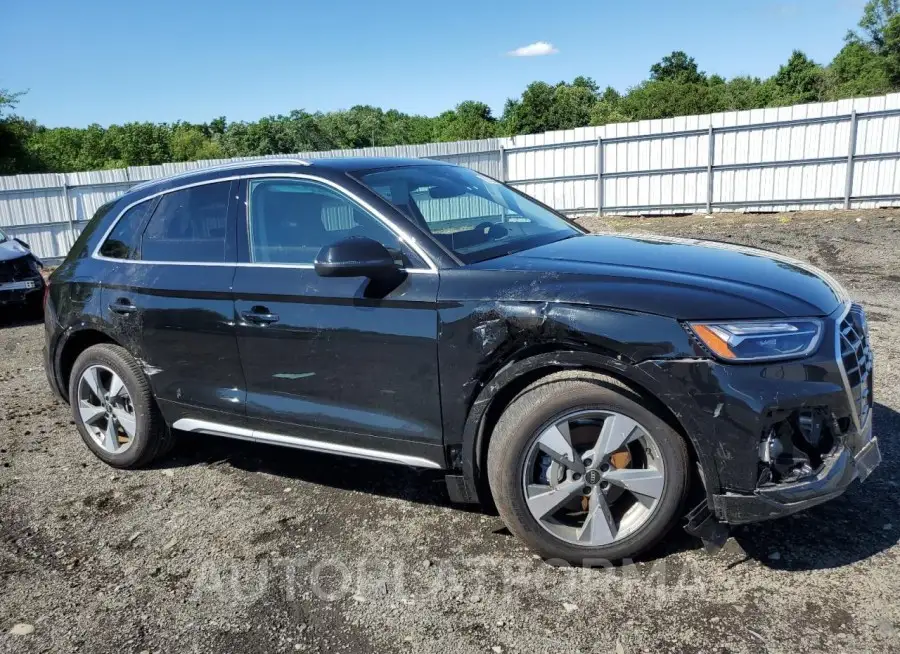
column 681, row 278
column 12, row 249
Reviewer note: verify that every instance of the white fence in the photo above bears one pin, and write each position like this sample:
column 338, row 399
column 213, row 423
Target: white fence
column 817, row 156
column 814, row 156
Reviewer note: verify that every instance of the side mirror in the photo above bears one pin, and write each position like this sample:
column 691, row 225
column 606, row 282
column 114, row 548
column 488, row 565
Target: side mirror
column 22, row 243
column 356, row 256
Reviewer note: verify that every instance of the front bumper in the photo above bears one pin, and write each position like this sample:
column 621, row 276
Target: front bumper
column 22, row 292
column 777, row 500
column 730, row 410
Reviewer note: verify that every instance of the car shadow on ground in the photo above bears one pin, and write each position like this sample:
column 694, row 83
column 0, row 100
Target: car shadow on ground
column 385, row 479
column 855, row 526
column 859, row 524
column 15, row 317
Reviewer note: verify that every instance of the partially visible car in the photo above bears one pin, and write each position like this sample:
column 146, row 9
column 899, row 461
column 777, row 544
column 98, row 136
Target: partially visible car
column 21, row 280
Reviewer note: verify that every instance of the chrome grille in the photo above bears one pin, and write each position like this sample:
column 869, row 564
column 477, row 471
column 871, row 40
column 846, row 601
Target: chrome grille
column 856, row 360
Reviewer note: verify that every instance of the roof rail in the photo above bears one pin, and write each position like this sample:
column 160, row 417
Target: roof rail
column 272, row 161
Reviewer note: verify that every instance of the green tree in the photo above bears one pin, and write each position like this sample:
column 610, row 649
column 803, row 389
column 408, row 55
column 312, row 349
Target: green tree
column 876, row 16
column 8, row 100
column 666, row 99
column 15, row 155
column 799, row 80
column 608, row 108
column 531, row 113
column 573, row 104
column 189, row 143
column 470, row 120
column 890, row 53
column 544, row 107
column 857, row 70
column 677, row 67
column 14, row 135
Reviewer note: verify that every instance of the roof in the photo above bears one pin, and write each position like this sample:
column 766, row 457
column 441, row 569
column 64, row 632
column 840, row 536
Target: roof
column 368, row 163
column 278, row 164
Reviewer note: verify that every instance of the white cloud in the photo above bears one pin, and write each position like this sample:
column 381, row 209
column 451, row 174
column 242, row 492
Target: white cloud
column 537, row 49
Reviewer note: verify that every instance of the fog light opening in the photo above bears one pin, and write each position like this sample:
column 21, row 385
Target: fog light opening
column 794, row 446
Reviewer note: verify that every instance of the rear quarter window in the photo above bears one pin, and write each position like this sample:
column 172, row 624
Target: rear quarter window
column 124, row 240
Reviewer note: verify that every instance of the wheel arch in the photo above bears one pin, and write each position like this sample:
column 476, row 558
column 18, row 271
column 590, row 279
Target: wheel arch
column 496, row 395
column 76, row 341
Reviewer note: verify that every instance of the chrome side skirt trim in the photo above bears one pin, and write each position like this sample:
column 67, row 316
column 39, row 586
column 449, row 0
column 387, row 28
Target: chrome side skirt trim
column 242, row 433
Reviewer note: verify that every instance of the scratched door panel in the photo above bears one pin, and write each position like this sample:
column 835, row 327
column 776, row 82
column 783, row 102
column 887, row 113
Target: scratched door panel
column 344, row 361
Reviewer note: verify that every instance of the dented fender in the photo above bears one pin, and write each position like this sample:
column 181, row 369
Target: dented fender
column 484, row 347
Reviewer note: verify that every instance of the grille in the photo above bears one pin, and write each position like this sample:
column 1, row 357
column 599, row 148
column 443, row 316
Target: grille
column 856, row 357
column 14, row 270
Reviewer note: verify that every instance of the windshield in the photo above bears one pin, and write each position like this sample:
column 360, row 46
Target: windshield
column 472, row 215
column 2, row 236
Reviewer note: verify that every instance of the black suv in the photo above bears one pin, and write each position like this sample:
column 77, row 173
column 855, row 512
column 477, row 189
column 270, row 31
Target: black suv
column 419, row 313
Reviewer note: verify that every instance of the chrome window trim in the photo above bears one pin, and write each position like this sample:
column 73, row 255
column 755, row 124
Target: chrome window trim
column 401, row 234
column 273, row 161
column 255, row 435
column 379, row 218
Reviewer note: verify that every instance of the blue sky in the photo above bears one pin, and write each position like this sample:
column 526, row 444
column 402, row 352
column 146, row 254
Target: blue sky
column 113, row 62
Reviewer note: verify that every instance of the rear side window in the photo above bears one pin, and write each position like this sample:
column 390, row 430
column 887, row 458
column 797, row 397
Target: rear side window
column 188, row 226
column 124, row 240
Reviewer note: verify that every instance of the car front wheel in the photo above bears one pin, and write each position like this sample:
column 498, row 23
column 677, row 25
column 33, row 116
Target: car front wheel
column 581, row 469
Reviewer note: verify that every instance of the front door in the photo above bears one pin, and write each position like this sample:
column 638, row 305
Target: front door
column 338, row 360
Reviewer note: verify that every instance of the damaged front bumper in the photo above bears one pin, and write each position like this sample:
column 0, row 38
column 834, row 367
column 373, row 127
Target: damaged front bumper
column 776, row 438
column 21, row 292
column 848, row 462
column 21, row 282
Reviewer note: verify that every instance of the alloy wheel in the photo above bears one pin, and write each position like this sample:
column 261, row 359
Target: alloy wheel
column 594, row 477
column 106, row 409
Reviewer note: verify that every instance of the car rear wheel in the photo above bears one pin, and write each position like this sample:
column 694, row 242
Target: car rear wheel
column 114, row 410
column 581, row 469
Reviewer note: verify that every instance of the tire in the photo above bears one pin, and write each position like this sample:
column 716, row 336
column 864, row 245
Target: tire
column 543, row 404
column 152, row 438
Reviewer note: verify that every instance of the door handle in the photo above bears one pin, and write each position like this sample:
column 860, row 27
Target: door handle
column 122, row 306
column 259, row 316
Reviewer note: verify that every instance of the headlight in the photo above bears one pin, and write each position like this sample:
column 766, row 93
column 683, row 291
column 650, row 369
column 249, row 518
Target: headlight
column 759, row 340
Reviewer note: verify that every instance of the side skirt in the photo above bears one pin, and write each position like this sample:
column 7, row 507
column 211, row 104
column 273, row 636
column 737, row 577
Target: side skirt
column 242, row 433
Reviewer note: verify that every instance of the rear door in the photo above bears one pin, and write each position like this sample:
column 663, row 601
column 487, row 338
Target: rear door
column 170, row 299
column 340, row 360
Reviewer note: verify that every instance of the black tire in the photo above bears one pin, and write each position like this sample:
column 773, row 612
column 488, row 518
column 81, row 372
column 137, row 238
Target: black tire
column 549, row 398
column 152, row 438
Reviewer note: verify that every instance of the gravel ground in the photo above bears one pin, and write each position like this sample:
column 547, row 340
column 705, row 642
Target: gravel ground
column 238, row 547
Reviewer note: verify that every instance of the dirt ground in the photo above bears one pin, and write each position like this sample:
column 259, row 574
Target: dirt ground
column 235, row 547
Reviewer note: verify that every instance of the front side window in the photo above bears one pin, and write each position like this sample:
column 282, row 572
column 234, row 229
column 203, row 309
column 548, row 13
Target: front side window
column 472, row 215
column 188, row 225
column 289, row 221
column 124, row 240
